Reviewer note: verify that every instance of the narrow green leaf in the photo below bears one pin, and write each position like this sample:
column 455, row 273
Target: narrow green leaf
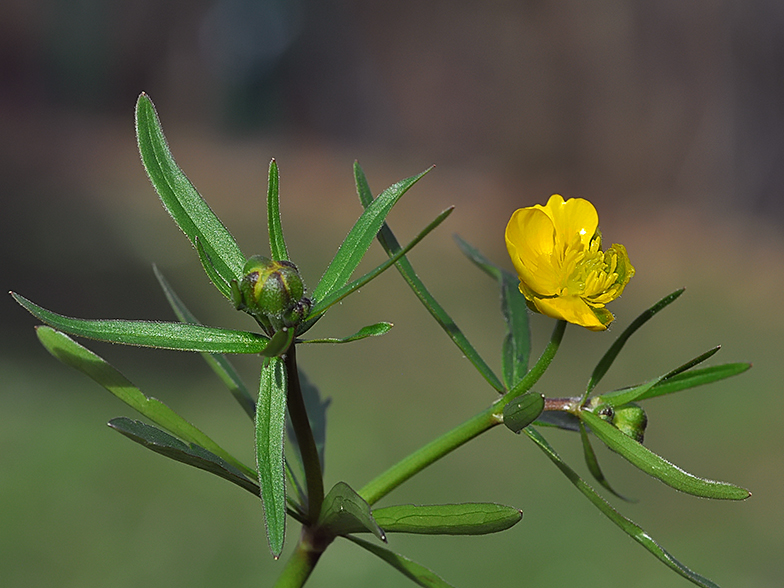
column 180, row 198
column 344, row 511
column 391, row 245
column 628, row 527
column 369, row 331
column 516, row 348
column 656, row 466
column 217, row 362
column 161, row 442
column 278, row 248
column 607, row 360
column 593, row 464
column 206, row 263
column 179, row 336
column 479, row 518
column 523, row 410
column 73, row 354
column 359, row 238
column 412, row 570
column 517, row 341
column 279, row 343
column 338, row 294
column 694, row 378
column 476, row 256
column 270, row 425
column 626, row 395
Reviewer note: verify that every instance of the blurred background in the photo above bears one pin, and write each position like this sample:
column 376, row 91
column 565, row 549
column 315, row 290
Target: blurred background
column 669, row 116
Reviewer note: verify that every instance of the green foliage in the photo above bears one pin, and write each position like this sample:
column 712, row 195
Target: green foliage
column 658, row 467
column 344, row 511
column 189, row 453
column 523, row 410
column 181, row 200
column 270, row 427
column 476, row 518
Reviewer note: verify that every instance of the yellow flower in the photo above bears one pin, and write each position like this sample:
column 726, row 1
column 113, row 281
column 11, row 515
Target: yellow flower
column 564, row 274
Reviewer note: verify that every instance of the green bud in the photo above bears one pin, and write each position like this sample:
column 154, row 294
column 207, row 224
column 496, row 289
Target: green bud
column 630, row 419
column 272, row 292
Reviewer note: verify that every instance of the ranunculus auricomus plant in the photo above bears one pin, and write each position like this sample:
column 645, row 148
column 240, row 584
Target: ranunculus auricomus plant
column 561, row 271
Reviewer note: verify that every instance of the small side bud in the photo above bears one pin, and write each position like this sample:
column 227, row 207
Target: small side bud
column 630, row 419
column 272, row 292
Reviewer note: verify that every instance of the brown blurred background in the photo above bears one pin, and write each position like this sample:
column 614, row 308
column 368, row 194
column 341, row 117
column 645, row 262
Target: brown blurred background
column 669, row 116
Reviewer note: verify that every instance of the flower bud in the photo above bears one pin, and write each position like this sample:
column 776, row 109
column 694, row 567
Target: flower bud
column 272, row 292
column 630, row 419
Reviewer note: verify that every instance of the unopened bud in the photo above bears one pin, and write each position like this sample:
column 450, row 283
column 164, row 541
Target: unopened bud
column 630, row 419
column 272, row 292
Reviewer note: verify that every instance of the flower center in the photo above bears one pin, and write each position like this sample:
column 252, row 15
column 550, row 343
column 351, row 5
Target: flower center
column 590, row 273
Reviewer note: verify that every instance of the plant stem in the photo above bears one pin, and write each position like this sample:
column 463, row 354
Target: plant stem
column 433, row 451
column 383, row 484
column 301, row 563
column 540, row 366
column 307, row 445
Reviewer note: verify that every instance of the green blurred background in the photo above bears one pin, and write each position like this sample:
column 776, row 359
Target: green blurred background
column 668, row 115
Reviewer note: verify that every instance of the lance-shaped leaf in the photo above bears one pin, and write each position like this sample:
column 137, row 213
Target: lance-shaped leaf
column 593, row 464
column 607, row 360
column 359, row 238
column 73, row 354
column 523, row 410
column 179, row 336
column 478, row 518
column 517, row 341
column 516, row 348
column 270, row 426
column 217, row 280
column 419, row 574
column 345, row 511
column 627, row 395
column 217, row 362
column 694, row 378
column 658, row 467
column 369, row 331
column 390, row 244
column 180, row 198
column 634, row 531
column 161, row 442
column 278, row 248
column 478, row 259
column 339, row 293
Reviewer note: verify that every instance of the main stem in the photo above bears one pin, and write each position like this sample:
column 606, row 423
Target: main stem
column 307, row 444
column 302, row 561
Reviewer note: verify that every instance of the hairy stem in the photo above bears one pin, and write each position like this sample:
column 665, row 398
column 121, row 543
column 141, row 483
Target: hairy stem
column 307, row 445
column 301, row 563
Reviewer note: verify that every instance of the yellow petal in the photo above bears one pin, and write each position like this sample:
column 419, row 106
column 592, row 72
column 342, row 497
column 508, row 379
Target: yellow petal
column 530, row 238
column 574, row 310
column 572, row 217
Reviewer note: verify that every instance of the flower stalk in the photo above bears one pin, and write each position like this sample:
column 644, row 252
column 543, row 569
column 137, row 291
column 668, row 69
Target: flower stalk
column 383, row 484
